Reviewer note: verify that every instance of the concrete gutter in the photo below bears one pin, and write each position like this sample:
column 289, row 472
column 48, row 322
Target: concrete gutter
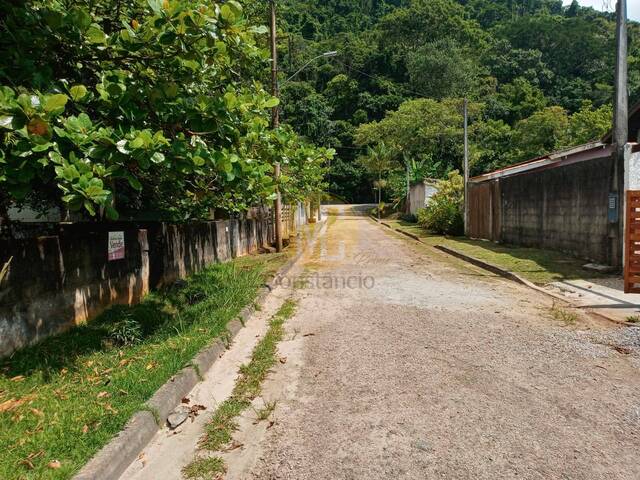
column 523, row 281
column 114, row 458
column 505, row 274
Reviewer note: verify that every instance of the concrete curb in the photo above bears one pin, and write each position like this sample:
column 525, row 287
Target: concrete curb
column 506, row 274
column 114, row 458
column 523, row 281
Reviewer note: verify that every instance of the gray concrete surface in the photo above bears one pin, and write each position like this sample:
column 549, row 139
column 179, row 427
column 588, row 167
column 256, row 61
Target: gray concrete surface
column 440, row 370
column 605, row 296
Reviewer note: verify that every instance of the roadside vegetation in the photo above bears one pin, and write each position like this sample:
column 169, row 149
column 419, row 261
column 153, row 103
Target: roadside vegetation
column 148, row 108
column 220, row 429
column 64, row 398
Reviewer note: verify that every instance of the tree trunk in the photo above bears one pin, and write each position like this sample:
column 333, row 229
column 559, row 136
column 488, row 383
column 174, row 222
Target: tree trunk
column 379, row 193
column 407, row 207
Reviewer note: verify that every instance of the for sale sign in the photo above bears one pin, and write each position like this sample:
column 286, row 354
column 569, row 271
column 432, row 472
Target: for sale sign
column 116, row 245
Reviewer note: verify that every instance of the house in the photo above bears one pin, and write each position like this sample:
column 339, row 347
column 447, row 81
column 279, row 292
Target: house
column 561, row 201
column 420, row 193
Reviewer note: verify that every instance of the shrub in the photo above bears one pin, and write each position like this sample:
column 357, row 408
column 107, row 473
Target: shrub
column 126, row 331
column 444, row 213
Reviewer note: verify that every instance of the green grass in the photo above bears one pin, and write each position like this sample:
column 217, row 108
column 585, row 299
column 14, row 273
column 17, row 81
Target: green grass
column 563, row 315
column 536, row 265
column 66, row 397
column 219, row 430
column 212, row 468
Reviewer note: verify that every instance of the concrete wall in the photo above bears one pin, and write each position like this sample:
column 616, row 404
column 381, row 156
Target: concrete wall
column 563, row 208
column 59, row 274
column 419, row 195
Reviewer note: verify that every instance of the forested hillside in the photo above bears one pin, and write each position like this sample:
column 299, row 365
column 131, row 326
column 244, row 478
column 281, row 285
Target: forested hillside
column 539, row 77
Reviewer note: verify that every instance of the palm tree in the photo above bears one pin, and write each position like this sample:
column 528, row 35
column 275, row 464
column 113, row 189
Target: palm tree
column 378, row 161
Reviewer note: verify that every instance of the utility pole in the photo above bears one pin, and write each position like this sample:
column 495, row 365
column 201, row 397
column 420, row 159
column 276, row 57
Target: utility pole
column 620, row 137
column 466, row 167
column 275, row 122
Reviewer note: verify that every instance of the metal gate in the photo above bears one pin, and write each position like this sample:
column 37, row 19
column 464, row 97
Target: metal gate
column 632, row 243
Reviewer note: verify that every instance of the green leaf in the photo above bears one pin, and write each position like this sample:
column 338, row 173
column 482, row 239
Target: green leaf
column 89, row 207
column 134, row 182
column 111, row 213
column 78, row 92
column 137, row 142
column 198, row 161
column 272, row 102
column 235, row 7
column 80, row 18
column 6, row 121
column 156, row 6
column 55, row 103
column 227, row 13
column 95, row 34
column 167, row 38
column 157, row 157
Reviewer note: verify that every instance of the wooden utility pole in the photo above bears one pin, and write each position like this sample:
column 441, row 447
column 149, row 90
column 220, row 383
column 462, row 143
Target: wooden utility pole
column 275, row 122
column 466, row 167
column 620, row 137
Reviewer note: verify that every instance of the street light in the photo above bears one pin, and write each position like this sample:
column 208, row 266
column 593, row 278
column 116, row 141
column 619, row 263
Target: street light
column 333, row 53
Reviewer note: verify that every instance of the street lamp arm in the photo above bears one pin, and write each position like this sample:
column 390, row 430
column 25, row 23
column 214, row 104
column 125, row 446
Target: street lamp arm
column 324, row 55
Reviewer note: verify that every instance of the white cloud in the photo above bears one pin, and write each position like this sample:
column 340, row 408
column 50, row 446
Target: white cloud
column 633, row 6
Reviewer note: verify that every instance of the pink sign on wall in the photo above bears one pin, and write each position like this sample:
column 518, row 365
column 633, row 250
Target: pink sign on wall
column 116, row 245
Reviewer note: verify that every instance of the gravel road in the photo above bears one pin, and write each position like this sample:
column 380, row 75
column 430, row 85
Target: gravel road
column 439, row 370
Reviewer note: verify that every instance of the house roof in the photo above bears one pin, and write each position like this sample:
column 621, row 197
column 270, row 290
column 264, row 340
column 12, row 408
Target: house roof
column 568, row 156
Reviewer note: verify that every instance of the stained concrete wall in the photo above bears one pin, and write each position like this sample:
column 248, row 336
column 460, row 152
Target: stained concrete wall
column 59, row 274
column 563, row 208
column 419, row 195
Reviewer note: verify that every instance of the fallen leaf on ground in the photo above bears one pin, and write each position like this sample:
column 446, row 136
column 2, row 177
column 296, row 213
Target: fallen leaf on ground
column 37, row 412
column 54, row 464
column 308, row 334
column 11, row 404
column 623, row 350
column 17, row 378
column 103, row 395
column 85, row 429
column 27, row 463
column 151, row 365
column 283, row 360
column 234, row 445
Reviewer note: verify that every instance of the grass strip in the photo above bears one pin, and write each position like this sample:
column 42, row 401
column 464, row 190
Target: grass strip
column 219, row 431
column 66, row 397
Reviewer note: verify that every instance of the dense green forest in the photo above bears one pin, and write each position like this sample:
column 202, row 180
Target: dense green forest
column 539, row 77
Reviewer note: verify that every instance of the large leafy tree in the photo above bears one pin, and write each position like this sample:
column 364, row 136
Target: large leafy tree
column 110, row 105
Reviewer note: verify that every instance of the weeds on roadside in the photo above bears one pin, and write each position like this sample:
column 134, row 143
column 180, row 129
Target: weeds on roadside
column 563, row 315
column 633, row 319
column 220, row 429
column 265, row 412
column 211, row 468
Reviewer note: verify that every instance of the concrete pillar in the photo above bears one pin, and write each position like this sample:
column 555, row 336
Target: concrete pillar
column 631, row 182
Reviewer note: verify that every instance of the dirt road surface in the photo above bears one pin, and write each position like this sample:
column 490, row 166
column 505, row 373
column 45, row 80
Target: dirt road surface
column 434, row 369
column 404, row 363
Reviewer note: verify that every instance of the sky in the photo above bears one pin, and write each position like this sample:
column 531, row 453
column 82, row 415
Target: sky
column 633, row 6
